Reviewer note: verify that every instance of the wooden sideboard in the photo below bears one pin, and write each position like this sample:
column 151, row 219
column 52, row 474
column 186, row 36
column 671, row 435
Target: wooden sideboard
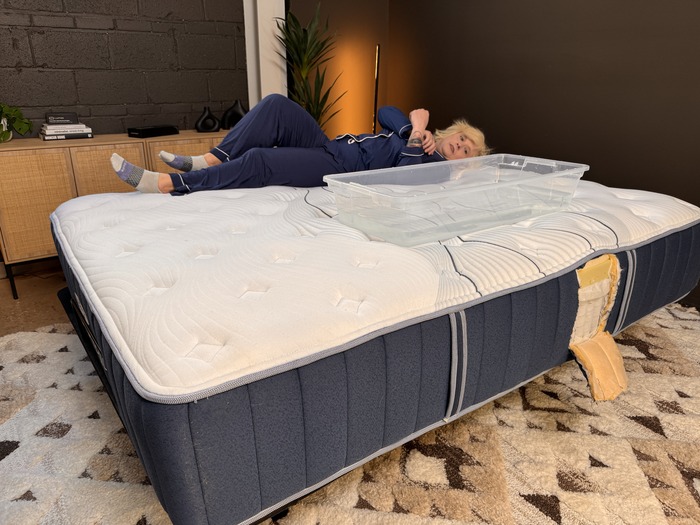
column 36, row 176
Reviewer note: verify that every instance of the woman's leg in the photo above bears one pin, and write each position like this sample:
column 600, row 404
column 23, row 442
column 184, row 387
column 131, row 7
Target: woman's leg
column 301, row 167
column 275, row 121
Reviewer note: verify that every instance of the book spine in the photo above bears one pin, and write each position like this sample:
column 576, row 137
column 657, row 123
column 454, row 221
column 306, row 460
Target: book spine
column 66, row 136
column 63, row 126
column 65, row 131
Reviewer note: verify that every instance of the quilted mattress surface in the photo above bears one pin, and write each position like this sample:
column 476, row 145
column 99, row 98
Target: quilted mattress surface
column 202, row 293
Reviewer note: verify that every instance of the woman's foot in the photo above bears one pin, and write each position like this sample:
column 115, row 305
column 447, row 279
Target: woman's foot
column 188, row 163
column 143, row 180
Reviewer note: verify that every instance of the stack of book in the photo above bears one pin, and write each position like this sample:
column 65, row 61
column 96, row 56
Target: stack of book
column 62, row 126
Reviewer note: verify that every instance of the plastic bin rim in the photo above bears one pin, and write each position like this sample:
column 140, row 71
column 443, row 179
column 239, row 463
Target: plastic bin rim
column 336, row 181
column 567, row 165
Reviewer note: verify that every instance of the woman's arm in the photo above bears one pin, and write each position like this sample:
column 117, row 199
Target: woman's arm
column 392, row 119
column 419, row 121
column 412, row 128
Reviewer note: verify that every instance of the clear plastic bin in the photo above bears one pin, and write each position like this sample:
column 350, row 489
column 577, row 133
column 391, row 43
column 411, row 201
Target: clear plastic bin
column 416, row 204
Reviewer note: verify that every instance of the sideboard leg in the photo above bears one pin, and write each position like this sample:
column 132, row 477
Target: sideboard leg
column 11, row 277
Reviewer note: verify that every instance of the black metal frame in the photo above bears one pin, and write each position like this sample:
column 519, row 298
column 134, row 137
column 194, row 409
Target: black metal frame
column 11, row 275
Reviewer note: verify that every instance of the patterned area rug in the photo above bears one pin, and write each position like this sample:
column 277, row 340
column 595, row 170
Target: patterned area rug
column 543, row 454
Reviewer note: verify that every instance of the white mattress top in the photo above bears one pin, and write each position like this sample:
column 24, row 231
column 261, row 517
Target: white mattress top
column 202, row 293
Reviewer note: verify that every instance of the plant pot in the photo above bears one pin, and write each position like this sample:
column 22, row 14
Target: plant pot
column 3, row 131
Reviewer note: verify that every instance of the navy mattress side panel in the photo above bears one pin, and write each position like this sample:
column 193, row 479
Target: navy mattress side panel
column 288, row 432
column 516, row 337
column 662, row 272
column 665, row 270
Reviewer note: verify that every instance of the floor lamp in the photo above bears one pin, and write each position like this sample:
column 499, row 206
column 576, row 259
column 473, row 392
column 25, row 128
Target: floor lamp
column 376, row 89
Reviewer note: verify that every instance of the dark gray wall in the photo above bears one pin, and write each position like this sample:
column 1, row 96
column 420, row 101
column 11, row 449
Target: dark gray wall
column 611, row 84
column 122, row 63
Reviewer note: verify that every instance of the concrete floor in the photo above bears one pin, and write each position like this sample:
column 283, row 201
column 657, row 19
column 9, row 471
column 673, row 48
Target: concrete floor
column 38, row 306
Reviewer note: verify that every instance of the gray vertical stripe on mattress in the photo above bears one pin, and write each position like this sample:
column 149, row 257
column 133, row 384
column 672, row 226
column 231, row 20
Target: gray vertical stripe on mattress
column 463, row 352
column 616, row 319
column 453, row 366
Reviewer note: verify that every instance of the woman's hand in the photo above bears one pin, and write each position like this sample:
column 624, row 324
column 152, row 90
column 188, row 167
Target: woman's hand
column 428, row 142
column 419, row 119
column 420, row 136
column 423, row 140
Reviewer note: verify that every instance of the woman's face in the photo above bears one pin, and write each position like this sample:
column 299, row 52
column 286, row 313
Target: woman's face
column 456, row 146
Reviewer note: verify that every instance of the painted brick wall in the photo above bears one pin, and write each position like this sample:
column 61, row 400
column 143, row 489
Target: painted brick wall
column 122, row 63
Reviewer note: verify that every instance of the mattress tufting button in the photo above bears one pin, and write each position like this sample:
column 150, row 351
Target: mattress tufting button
column 235, row 228
column 283, row 259
column 349, row 305
column 156, row 290
column 127, row 250
column 203, row 252
column 254, row 293
column 364, row 264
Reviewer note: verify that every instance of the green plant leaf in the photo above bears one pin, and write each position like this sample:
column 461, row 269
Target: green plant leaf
column 307, row 49
column 15, row 121
column 21, row 127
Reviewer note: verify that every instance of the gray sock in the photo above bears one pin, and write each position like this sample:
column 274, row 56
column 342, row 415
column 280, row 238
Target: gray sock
column 183, row 162
column 143, row 180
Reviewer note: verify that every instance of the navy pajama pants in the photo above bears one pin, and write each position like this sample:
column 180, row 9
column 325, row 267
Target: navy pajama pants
column 275, row 143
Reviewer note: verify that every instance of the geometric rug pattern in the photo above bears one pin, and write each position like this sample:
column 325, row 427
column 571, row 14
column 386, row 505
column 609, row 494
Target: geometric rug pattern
column 65, row 458
column 545, row 453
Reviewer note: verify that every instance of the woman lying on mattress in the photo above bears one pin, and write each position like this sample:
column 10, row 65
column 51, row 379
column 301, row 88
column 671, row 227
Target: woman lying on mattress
column 278, row 143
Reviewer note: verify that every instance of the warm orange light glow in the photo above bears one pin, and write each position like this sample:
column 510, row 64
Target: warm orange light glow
column 357, row 27
column 354, row 59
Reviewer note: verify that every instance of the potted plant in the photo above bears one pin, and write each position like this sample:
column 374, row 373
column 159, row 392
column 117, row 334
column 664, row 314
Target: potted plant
column 11, row 119
column 307, row 50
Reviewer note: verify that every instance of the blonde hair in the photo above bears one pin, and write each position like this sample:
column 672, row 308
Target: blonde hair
column 469, row 131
